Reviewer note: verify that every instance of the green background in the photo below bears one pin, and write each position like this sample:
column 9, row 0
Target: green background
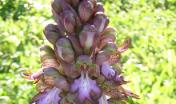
column 150, row 63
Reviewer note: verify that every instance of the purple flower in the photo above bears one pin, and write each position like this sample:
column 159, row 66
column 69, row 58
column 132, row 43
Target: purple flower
column 84, row 87
column 111, row 74
column 49, row 97
column 107, row 70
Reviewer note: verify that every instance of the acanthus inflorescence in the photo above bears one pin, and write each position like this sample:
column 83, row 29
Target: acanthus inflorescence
column 81, row 68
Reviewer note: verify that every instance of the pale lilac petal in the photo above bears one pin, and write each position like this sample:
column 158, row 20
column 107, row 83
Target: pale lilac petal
column 50, row 97
column 75, row 85
column 95, row 88
column 84, row 85
column 107, row 70
column 103, row 100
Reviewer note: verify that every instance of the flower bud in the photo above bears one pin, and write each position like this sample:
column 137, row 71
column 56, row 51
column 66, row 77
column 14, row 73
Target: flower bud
column 64, row 50
column 108, row 35
column 66, row 17
column 46, row 52
column 100, row 21
column 60, row 5
column 52, row 33
column 99, row 7
column 56, row 5
column 110, row 48
column 85, row 10
column 70, row 70
column 48, row 59
column 53, row 78
column 101, row 57
column 105, row 53
column 76, row 45
column 84, row 61
column 59, row 22
column 69, row 21
column 87, row 38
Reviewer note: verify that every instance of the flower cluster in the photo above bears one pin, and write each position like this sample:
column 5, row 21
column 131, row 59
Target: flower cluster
column 82, row 67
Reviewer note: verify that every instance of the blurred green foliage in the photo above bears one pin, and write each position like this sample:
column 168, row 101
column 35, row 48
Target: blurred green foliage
column 150, row 63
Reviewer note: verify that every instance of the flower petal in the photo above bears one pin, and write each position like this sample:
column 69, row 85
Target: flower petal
column 49, row 97
column 85, row 86
column 103, row 100
column 107, row 70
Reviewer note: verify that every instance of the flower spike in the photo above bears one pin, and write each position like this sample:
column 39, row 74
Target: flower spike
column 82, row 66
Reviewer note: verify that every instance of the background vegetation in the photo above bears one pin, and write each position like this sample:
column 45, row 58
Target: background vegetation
column 150, row 63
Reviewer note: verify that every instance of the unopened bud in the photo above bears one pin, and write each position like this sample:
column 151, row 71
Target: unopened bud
column 64, row 50
column 99, row 7
column 105, row 53
column 69, row 21
column 110, row 48
column 76, row 45
column 52, row 33
column 48, row 58
column 54, row 78
column 100, row 21
column 86, row 9
column 87, row 37
column 108, row 35
column 56, row 5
